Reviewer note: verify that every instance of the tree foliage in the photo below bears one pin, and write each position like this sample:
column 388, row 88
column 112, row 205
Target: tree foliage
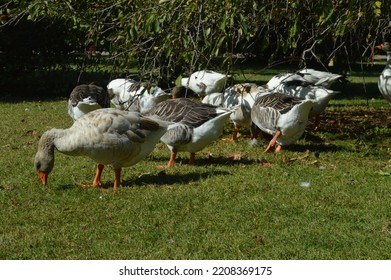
column 170, row 37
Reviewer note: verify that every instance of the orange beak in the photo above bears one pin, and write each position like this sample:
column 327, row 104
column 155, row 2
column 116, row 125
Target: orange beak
column 379, row 46
column 43, row 176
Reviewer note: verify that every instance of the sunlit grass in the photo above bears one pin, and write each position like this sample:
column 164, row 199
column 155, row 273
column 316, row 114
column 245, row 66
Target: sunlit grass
column 235, row 203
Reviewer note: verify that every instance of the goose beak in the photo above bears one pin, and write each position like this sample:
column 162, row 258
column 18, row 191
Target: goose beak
column 379, row 46
column 44, row 177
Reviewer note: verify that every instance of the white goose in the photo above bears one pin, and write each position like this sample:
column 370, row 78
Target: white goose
column 304, row 77
column 242, row 95
column 86, row 98
column 205, row 82
column 108, row 136
column 280, row 115
column 319, row 95
column 384, row 82
column 130, row 95
column 199, row 125
column 319, row 78
column 285, row 79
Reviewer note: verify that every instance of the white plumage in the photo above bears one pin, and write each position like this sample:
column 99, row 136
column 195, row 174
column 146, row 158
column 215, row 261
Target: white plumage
column 280, row 115
column 205, row 82
column 241, row 95
column 384, row 82
column 86, row 98
column 199, row 125
column 319, row 95
column 304, row 77
column 108, row 136
column 127, row 94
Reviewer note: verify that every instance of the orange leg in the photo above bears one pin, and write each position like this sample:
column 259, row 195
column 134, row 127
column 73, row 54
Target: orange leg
column 171, row 161
column 234, row 136
column 316, row 123
column 273, row 142
column 191, row 158
column 98, row 174
column 117, row 180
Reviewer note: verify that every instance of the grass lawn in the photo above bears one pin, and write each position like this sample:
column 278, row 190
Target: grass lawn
column 326, row 197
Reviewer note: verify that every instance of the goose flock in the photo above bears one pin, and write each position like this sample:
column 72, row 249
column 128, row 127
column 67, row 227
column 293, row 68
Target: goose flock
column 145, row 115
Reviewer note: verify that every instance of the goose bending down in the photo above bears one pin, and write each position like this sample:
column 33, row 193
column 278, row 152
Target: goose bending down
column 319, row 95
column 319, row 78
column 108, row 136
column 304, row 77
column 242, row 95
column 205, row 82
column 129, row 95
column 280, row 115
column 86, row 98
column 384, row 82
column 199, row 125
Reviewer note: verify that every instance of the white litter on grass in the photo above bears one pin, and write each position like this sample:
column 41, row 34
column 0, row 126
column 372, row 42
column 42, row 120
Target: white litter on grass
column 322, row 167
column 304, row 184
column 253, row 142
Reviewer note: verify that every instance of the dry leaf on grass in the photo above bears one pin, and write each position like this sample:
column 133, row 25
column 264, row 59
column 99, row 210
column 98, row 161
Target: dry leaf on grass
column 265, row 163
column 235, row 156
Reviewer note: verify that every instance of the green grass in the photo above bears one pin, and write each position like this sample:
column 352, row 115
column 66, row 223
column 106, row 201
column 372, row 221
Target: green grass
column 221, row 208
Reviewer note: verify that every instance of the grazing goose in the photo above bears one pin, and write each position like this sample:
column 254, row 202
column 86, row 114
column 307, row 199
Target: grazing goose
column 319, row 78
column 86, row 98
column 384, row 82
column 242, row 95
column 304, row 77
column 199, row 125
column 133, row 96
column 108, row 136
column 285, row 79
column 205, row 82
column 319, row 95
column 280, row 115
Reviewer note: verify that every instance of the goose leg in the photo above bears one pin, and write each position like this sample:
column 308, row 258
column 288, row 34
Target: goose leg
column 234, row 136
column 273, row 142
column 171, row 162
column 117, row 180
column 316, row 123
column 98, row 175
column 191, row 158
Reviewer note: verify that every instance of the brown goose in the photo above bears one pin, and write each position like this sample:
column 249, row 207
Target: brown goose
column 108, row 136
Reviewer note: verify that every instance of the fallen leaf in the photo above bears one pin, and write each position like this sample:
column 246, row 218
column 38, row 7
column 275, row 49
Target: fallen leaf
column 235, row 156
column 259, row 240
column 265, row 163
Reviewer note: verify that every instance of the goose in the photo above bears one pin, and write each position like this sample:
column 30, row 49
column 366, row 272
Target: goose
column 205, row 82
column 384, row 82
column 304, row 77
column 86, row 98
column 280, row 115
column 127, row 94
column 108, row 136
column 199, row 125
column 320, row 78
column 242, row 95
column 285, row 79
column 318, row 94
column 182, row 91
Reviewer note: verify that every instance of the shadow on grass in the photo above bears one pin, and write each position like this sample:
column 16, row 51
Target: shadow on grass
column 224, row 160
column 161, row 178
